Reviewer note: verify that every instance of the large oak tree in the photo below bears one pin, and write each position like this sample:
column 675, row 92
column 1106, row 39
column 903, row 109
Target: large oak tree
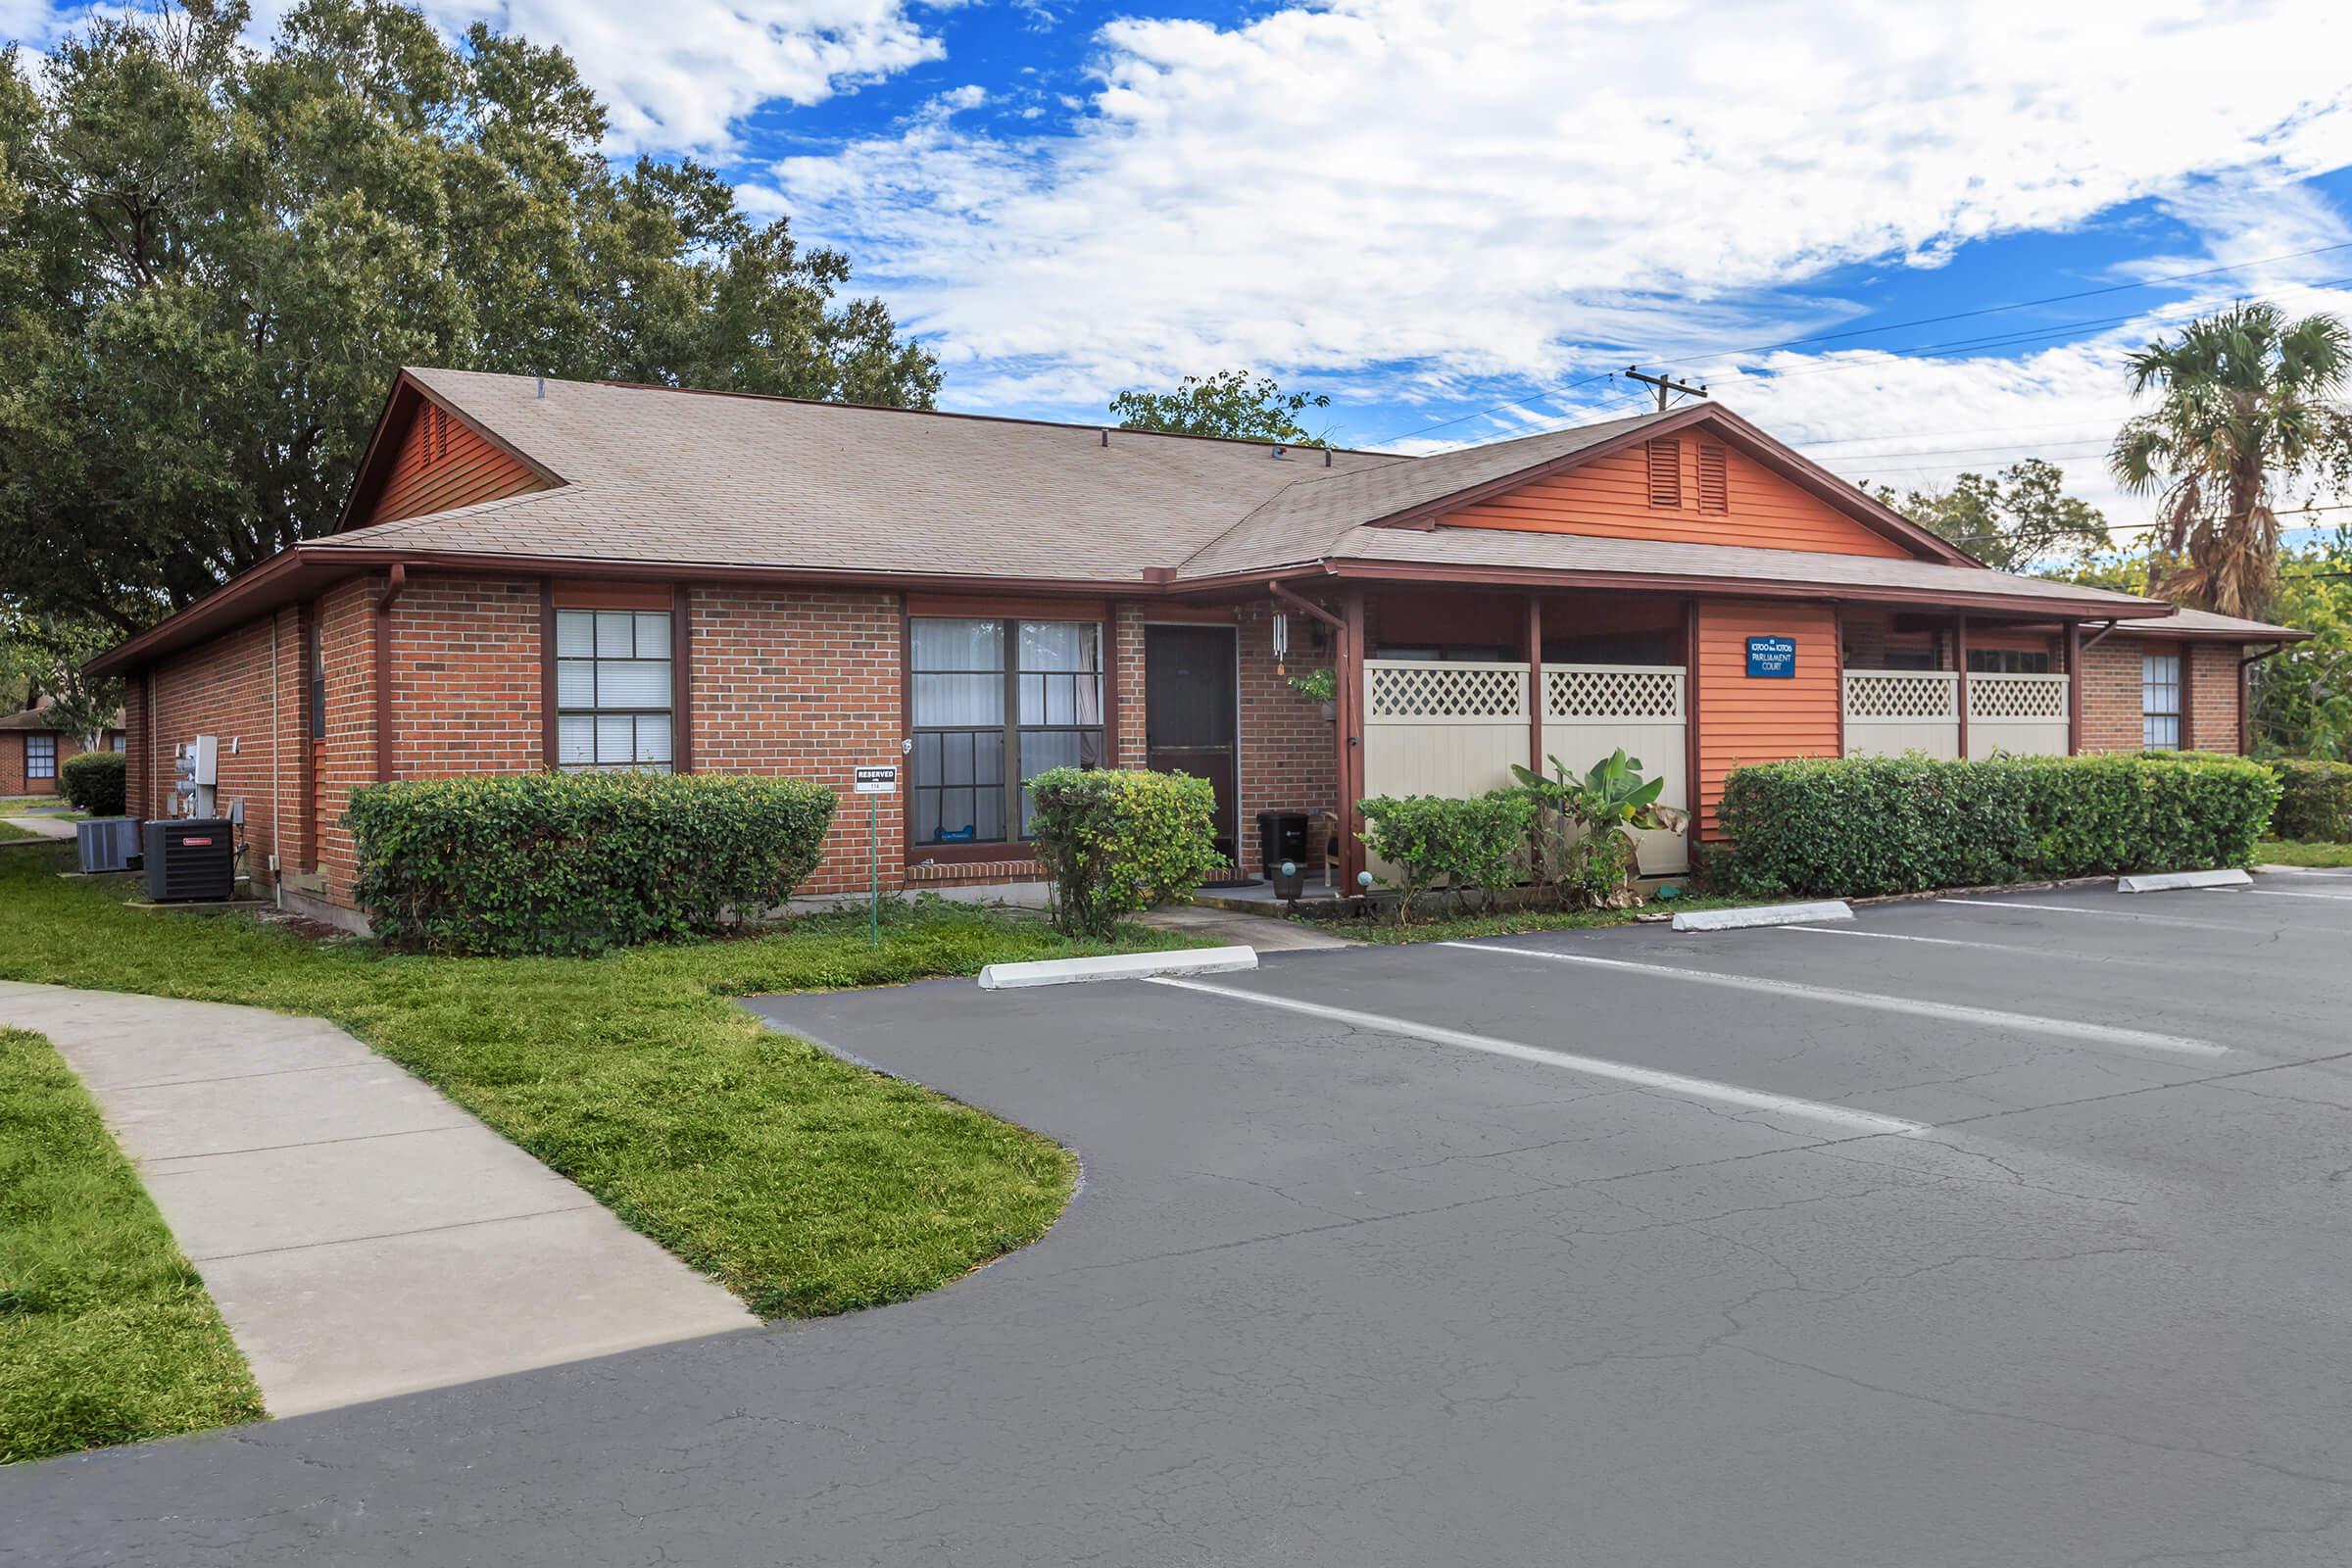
column 213, row 257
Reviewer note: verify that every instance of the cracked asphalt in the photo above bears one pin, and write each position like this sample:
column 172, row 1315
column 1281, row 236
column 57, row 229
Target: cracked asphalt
column 1338, row 1293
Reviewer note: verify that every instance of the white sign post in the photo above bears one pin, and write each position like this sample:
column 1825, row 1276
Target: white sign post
column 874, row 783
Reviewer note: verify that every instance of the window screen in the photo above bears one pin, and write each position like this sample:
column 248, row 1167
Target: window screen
column 612, row 690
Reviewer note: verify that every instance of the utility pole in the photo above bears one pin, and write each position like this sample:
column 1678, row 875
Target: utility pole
column 1665, row 386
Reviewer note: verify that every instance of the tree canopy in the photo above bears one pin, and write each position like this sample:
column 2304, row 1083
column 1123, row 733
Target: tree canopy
column 2245, row 403
column 213, row 259
column 1228, row 404
column 2013, row 521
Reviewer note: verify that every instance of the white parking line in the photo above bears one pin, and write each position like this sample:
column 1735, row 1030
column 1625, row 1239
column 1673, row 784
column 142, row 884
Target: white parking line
column 2132, row 916
column 1956, row 941
column 2282, row 893
column 1876, row 1001
column 1867, row 1123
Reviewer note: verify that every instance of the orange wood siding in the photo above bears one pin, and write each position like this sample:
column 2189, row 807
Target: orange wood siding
column 1609, row 497
column 1744, row 720
column 442, row 463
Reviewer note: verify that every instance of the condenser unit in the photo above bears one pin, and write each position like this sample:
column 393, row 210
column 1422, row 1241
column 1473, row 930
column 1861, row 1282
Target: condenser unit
column 108, row 844
column 191, row 858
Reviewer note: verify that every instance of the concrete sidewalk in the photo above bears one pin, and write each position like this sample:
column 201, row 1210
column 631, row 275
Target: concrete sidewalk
column 48, row 827
column 363, row 1236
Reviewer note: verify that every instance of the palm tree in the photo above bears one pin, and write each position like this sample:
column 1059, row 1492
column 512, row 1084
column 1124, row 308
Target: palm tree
column 2245, row 402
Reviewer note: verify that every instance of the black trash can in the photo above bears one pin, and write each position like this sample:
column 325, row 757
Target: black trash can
column 1281, row 836
column 191, row 859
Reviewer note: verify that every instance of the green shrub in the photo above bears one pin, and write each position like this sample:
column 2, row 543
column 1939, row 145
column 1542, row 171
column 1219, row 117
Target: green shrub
column 1113, row 842
column 1474, row 844
column 95, row 782
column 2315, row 800
column 1857, row 826
column 579, row 863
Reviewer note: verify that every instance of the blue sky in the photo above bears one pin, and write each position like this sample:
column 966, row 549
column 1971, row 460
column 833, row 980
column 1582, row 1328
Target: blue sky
column 1436, row 210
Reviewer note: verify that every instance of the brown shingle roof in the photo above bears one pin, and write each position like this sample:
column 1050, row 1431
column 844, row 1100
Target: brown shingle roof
column 694, row 478
column 2205, row 624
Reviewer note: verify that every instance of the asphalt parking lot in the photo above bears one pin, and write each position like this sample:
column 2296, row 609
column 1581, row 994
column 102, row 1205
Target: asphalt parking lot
column 2003, row 1231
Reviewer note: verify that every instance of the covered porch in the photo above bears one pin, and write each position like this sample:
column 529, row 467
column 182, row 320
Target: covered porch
column 1440, row 691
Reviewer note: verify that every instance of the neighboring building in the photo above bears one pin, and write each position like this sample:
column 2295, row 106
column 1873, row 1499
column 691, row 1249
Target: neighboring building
column 535, row 574
column 34, row 742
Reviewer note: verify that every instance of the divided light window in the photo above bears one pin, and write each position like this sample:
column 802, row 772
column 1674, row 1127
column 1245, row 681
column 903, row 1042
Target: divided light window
column 40, row 756
column 612, row 690
column 1665, row 474
column 996, row 702
column 2160, row 702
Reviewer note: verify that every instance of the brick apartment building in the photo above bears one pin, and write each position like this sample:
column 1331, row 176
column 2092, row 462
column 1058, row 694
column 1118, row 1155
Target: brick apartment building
column 35, row 742
column 543, row 574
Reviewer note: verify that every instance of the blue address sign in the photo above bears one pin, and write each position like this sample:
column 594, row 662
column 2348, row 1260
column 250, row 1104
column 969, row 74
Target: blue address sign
column 1772, row 658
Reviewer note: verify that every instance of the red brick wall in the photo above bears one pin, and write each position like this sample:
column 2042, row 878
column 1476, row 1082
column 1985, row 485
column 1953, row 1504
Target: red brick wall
column 2111, row 693
column 1128, row 741
column 13, row 747
column 345, row 756
column 805, row 685
column 466, row 678
column 229, row 688
column 1288, row 745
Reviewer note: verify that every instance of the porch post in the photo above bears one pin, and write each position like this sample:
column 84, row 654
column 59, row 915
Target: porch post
column 1535, row 683
column 2073, row 688
column 1960, row 664
column 1351, row 740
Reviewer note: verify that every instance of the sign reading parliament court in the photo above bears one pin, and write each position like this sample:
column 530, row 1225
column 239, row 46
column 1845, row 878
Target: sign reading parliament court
column 1772, row 658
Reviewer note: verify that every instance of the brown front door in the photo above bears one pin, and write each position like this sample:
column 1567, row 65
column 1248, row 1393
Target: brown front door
column 1189, row 713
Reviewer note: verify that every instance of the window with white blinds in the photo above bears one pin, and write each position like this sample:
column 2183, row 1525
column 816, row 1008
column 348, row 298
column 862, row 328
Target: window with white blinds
column 2160, row 702
column 614, row 692
column 996, row 702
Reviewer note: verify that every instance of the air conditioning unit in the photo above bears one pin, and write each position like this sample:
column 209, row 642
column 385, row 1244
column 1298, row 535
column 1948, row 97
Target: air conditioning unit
column 108, row 844
column 191, row 858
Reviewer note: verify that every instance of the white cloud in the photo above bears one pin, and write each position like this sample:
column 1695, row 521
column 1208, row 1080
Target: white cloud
column 1472, row 191
column 677, row 76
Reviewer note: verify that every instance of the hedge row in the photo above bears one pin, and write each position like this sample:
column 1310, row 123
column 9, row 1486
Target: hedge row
column 2314, row 802
column 579, row 863
column 95, row 783
column 1840, row 827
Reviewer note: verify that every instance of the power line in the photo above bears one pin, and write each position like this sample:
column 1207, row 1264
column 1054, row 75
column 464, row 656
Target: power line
column 2018, row 305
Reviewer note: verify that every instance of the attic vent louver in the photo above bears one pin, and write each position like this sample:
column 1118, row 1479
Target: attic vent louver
column 1714, row 480
column 1666, row 473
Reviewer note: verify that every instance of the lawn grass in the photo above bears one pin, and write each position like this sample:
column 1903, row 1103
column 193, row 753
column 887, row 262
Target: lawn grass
column 1514, row 922
column 2287, row 852
column 10, row 830
column 802, row 1182
column 106, row 1332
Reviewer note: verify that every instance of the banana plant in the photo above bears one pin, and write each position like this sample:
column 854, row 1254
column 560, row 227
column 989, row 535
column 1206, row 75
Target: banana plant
column 1584, row 837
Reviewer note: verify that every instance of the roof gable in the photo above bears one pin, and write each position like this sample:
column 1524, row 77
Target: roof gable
column 1791, row 501
column 1691, row 487
column 426, row 456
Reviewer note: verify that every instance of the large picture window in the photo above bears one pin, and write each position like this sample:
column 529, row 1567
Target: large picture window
column 996, row 702
column 40, row 756
column 2160, row 702
column 612, row 690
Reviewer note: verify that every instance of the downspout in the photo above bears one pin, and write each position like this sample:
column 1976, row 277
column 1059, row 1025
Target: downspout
column 2076, row 648
column 394, row 587
column 1333, row 863
column 2245, row 712
column 277, row 817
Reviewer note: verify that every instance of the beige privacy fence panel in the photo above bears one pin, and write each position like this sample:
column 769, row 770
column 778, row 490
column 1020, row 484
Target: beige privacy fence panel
column 1890, row 711
column 1590, row 711
column 1441, row 729
column 2024, row 716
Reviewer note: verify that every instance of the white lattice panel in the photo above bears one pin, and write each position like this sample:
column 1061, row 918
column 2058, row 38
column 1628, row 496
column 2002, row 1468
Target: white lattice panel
column 1409, row 691
column 2025, row 697
column 1901, row 694
column 1603, row 694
